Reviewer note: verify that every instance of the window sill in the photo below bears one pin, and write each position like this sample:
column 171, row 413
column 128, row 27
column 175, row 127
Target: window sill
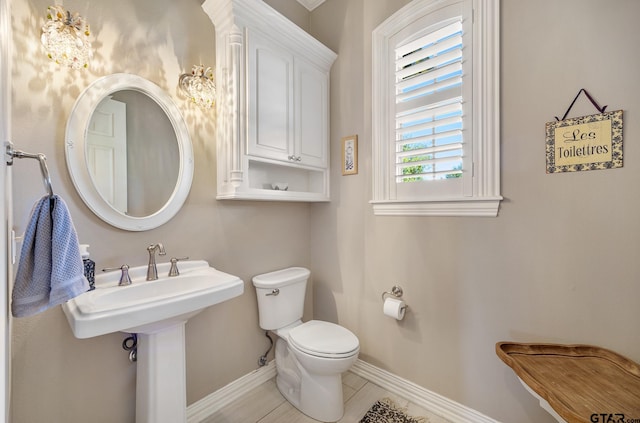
column 478, row 207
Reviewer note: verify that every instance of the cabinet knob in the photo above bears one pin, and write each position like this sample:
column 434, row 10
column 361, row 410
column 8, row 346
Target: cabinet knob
column 291, row 157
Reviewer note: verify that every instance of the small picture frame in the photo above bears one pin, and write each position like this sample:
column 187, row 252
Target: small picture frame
column 350, row 155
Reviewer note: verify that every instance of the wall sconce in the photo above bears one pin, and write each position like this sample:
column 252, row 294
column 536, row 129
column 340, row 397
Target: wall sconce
column 65, row 37
column 199, row 86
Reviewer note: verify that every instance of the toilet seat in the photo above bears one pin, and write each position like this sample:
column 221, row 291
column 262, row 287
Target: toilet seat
column 323, row 339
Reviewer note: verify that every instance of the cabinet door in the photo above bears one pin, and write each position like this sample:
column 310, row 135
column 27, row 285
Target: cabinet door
column 270, row 99
column 312, row 122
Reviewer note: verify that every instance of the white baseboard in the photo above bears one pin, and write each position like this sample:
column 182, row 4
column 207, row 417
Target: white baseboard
column 204, row 408
column 450, row 410
column 442, row 406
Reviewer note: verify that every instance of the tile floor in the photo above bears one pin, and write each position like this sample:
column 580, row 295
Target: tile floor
column 264, row 404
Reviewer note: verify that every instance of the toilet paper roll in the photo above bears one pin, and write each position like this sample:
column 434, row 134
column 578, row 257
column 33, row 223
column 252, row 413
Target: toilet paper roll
column 394, row 308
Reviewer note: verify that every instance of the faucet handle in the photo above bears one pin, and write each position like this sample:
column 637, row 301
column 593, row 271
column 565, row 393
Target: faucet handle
column 173, row 270
column 125, row 279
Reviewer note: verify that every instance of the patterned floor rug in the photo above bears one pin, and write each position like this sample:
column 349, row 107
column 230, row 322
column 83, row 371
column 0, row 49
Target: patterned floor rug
column 386, row 411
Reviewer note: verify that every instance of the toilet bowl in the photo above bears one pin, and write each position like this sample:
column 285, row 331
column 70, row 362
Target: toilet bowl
column 310, row 356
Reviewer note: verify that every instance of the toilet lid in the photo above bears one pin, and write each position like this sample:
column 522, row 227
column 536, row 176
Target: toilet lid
column 323, row 339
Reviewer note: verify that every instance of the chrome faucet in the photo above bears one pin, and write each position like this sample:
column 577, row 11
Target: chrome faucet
column 152, row 270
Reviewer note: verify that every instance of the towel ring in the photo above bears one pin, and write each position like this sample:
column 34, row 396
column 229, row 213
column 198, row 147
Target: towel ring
column 17, row 154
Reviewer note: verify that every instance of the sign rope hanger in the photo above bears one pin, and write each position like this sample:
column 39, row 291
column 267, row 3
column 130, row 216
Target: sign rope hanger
column 582, row 90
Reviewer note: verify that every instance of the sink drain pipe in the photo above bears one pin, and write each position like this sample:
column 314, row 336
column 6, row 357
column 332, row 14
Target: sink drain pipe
column 262, row 361
column 130, row 344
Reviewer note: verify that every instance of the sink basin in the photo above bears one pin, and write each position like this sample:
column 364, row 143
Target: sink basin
column 146, row 306
column 157, row 311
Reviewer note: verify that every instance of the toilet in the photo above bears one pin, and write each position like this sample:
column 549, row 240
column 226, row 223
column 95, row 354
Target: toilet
column 310, row 356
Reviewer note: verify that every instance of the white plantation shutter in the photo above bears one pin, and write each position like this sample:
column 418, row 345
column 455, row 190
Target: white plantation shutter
column 435, row 110
column 428, row 112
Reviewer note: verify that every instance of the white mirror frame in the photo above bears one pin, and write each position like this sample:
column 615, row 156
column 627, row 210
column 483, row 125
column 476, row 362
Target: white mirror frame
column 76, row 133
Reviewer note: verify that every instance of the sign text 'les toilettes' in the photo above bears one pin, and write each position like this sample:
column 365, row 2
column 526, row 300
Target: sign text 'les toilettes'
column 584, row 143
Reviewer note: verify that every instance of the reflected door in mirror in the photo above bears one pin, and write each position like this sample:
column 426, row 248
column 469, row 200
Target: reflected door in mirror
column 107, row 152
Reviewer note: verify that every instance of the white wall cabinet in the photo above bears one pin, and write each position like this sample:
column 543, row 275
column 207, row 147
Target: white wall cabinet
column 272, row 105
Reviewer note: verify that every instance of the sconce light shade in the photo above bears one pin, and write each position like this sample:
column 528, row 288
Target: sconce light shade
column 199, row 86
column 65, row 37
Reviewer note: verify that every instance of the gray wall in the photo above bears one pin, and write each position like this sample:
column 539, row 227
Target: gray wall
column 57, row 378
column 559, row 263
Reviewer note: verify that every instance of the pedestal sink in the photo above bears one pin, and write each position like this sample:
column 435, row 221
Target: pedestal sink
column 157, row 311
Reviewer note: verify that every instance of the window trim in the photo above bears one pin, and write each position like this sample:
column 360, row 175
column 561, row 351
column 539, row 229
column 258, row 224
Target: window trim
column 485, row 136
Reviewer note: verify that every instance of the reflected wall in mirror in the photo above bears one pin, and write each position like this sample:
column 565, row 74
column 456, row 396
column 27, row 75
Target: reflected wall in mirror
column 128, row 152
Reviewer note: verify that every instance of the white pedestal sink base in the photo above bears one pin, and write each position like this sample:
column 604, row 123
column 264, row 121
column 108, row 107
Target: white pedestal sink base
column 157, row 311
column 161, row 380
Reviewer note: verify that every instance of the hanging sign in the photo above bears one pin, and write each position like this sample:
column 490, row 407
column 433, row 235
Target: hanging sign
column 584, row 143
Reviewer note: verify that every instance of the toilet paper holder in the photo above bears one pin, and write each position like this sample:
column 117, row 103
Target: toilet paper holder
column 396, row 291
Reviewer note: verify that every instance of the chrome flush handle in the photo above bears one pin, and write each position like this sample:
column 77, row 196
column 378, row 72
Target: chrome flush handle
column 274, row 292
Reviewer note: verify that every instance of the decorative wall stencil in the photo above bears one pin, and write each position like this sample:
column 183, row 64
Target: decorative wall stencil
column 584, row 143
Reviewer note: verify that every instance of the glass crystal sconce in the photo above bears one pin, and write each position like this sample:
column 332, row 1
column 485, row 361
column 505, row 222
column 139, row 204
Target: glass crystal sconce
column 65, row 37
column 199, row 86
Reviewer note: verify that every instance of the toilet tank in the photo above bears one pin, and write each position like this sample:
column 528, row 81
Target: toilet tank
column 281, row 296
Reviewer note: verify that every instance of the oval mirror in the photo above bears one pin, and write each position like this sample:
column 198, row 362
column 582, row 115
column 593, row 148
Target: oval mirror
column 128, row 152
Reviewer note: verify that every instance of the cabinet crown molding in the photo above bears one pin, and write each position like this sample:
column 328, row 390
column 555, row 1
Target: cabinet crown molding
column 256, row 14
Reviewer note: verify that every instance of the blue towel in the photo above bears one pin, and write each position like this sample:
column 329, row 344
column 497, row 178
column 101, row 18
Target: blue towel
column 50, row 271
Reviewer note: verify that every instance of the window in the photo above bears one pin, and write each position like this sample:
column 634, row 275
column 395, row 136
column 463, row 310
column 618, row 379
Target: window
column 436, row 110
